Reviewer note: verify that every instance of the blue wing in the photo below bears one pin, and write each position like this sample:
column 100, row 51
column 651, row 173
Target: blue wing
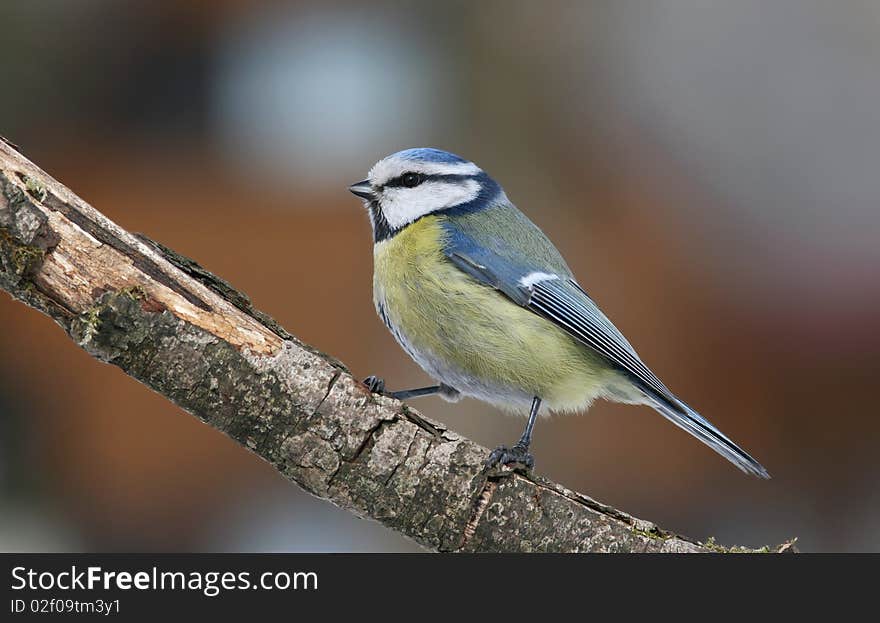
column 561, row 300
column 556, row 297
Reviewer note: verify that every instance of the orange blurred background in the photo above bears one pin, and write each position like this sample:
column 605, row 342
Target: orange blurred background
column 709, row 169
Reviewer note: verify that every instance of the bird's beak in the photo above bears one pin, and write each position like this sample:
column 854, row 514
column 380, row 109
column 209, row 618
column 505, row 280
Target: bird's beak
column 362, row 190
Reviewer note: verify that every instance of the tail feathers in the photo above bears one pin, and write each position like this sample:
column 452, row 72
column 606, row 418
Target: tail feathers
column 689, row 420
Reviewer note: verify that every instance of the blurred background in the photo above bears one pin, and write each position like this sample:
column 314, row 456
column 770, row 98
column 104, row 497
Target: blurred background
column 709, row 168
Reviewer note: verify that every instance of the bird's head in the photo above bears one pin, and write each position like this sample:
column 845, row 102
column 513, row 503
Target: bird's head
column 405, row 186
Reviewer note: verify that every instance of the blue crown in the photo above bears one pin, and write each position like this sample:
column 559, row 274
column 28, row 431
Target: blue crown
column 429, row 154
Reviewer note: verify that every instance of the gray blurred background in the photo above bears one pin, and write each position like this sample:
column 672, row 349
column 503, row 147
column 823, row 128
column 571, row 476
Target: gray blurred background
column 709, row 168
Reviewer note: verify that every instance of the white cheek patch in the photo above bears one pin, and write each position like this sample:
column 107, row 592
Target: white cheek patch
column 390, row 168
column 536, row 277
column 401, row 206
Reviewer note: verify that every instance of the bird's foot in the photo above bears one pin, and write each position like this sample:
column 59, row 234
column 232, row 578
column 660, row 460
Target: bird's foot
column 518, row 454
column 375, row 384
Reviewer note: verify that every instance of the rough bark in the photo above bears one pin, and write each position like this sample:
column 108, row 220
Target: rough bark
column 192, row 338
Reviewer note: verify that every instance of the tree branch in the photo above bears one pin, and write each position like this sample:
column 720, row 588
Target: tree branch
column 192, row 338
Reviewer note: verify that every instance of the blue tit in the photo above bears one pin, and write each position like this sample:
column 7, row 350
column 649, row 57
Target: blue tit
column 482, row 300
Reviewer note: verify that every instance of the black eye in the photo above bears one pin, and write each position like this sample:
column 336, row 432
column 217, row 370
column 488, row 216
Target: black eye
column 411, row 180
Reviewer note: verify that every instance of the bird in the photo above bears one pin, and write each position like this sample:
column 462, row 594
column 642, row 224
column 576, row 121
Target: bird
column 482, row 301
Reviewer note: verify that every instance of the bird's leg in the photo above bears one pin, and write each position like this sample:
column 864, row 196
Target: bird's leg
column 519, row 453
column 415, row 393
column 526, row 440
column 377, row 386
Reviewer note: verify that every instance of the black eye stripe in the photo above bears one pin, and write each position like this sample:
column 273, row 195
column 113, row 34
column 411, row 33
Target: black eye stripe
column 490, row 194
column 397, row 182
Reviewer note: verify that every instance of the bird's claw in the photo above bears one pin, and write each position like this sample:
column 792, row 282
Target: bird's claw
column 375, row 384
column 502, row 455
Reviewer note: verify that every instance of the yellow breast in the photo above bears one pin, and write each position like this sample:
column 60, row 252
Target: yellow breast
column 471, row 336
